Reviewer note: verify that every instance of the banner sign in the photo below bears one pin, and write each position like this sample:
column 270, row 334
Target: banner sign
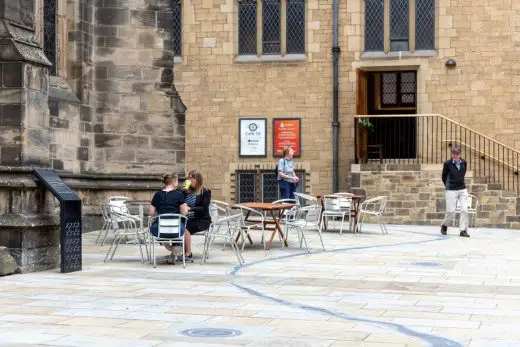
column 286, row 133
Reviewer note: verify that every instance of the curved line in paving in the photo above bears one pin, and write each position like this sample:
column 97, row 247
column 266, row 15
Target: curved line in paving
column 432, row 340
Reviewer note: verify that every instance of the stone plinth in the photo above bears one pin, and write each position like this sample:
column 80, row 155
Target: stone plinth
column 416, row 195
column 29, row 225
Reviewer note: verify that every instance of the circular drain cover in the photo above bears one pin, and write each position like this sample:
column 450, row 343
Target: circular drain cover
column 211, row 332
column 426, row 263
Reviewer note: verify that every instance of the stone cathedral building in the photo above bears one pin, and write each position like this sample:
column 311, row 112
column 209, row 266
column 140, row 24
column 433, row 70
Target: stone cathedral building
column 86, row 89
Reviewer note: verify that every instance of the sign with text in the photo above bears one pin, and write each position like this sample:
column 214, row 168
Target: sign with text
column 252, row 132
column 70, row 219
column 286, row 133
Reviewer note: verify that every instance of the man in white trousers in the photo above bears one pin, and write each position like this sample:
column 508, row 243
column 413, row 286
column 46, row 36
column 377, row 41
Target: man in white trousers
column 453, row 173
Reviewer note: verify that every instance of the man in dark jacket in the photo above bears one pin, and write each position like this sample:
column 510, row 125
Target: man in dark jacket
column 453, row 173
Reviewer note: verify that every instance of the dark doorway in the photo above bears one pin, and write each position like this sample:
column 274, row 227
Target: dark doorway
column 393, row 93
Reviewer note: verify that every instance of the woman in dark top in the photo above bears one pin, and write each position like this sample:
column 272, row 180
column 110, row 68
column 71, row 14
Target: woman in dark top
column 198, row 198
column 168, row 200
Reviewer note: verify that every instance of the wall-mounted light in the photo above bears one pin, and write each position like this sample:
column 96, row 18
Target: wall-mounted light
column 450, row 63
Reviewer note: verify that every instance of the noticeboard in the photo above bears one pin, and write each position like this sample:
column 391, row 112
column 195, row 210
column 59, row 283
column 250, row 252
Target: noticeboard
column 253, row 137
column 70, row 220
column 286, row 133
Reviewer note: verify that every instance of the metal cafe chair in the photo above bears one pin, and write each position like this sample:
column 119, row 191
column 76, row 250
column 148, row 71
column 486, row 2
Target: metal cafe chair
column 171, row 229
column 226, row 228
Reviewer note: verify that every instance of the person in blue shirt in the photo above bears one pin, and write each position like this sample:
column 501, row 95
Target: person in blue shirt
column 453, row 174
column 287, row 179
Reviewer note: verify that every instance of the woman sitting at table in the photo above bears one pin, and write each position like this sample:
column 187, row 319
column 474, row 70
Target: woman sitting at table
column 197, row 198
column 168, row 200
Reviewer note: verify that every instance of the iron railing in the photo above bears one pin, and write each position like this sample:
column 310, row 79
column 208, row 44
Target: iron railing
column 427, row 139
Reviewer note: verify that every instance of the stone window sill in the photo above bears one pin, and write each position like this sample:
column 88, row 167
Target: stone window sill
column 398, row 55
column 288, row 58
column 177, row 60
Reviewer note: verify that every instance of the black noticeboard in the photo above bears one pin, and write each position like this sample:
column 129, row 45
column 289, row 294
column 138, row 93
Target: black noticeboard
column 70, row 219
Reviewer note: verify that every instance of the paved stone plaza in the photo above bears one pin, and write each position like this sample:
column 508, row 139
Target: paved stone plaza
column 409, row 288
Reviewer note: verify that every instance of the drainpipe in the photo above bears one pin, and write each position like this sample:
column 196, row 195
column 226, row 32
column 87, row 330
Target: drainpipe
column 335, row 96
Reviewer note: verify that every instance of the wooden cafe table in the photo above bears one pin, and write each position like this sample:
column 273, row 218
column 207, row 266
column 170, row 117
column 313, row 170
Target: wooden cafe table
column 275, row 210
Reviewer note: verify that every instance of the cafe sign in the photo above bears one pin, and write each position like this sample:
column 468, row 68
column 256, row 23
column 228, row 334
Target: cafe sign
column 252, row 133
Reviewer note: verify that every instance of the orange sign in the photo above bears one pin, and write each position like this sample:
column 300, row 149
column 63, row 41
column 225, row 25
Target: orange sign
column 286, row 132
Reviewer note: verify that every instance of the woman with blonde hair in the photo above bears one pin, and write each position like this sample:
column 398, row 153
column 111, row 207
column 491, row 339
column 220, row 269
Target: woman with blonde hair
column 197, row 198
column 167, row 200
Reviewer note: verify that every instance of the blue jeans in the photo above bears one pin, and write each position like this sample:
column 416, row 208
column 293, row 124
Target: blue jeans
column 286, row 189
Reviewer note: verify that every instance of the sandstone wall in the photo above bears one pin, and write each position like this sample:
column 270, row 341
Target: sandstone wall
column 417, row 196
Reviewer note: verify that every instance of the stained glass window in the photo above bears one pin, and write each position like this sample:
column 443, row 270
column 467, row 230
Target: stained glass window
column 49, row 33
column 424, row 24
column 295, row 26
column 247, row 27
column 374, row 25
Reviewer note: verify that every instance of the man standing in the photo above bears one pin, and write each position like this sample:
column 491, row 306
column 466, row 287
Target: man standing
column 453, row 173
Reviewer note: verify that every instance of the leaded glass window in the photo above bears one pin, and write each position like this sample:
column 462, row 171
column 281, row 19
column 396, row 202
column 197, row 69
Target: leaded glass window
column 271, row 23
column 295, row 26
column 246, row 191
column 261, row 186
column 398, row 88
column 399, row 27
column 247, row 27
column 374, row 25
column 270, row 191
column 424, row 24
column 49, row 33
column 407, row 88
column 177, row 27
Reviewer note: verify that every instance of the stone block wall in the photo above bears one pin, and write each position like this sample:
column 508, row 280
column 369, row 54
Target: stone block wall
column 29, row 222
column 138, row 126
column 417, row 196
column 218, row 89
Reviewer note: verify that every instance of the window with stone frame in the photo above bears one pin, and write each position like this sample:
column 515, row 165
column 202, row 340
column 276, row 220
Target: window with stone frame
column 50, row 46
column 177, row 27
column 399, row 25
column 271, row 27
column 261, row 186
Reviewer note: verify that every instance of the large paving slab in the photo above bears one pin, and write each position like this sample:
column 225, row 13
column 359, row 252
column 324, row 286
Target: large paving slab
column 412, row 287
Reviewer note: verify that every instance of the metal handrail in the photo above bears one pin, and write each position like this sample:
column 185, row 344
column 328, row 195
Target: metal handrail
column 426, row 138
column 436, row 115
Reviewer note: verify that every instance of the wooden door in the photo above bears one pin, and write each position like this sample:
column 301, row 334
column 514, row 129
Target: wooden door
column 361, row 109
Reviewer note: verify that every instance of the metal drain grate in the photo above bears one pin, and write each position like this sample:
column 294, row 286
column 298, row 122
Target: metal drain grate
column 211, row 332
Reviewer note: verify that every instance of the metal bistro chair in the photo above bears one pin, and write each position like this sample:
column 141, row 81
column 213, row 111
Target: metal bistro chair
column 288, row 215
column 258, row 223
column 226, row 228
column 171, row 230
column 472, row 208
column 129, row 228
column 306, row 218
column 305, row 200
column 373, row 207
column 336, row 206
column 107, row 223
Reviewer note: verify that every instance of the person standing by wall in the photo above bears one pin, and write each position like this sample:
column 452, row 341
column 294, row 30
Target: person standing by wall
column 287, row 179
column 453, row 173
